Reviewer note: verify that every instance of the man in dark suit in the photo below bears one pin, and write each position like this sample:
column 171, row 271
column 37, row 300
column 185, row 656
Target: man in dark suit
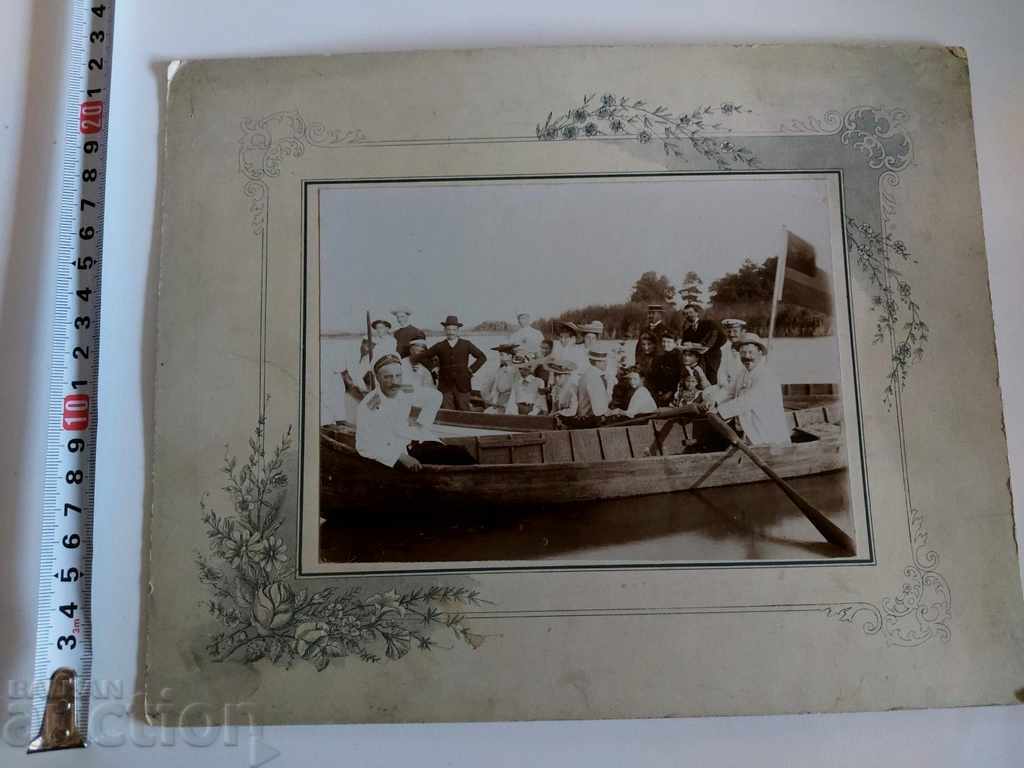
column 455, row 374
column 706, row 332
column 405, row 332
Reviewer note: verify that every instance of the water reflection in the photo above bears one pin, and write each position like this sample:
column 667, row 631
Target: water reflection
column 743, row 522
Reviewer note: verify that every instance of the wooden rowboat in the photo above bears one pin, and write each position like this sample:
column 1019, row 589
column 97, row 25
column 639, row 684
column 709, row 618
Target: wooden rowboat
column 794, row 396
column 551, row 467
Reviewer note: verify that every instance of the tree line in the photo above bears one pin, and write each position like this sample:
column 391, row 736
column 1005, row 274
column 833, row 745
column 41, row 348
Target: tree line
column 745, row 294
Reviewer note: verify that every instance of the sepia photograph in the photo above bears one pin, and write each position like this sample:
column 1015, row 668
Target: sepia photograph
column 577, row 371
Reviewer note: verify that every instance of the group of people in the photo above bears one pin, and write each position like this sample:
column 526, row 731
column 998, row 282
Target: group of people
column 703, row 366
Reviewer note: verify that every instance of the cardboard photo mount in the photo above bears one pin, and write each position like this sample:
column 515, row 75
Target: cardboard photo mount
column 238, row 627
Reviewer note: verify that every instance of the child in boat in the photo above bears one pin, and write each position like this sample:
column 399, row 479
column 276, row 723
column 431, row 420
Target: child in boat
column 564, row 394
column 640, row 399
column 496, row 390
column 527, row 390
column 689, row 391
column 692, row 380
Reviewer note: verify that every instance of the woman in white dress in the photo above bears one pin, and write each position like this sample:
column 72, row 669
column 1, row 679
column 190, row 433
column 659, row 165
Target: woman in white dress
column 640, row 400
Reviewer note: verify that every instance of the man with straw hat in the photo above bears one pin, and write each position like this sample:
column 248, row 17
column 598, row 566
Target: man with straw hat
column 757, row 398
column 593, row 386
column 527, row 390
column 730, row 367
column 564, row 392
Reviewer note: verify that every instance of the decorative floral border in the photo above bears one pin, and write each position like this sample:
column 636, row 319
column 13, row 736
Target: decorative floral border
column 247, row 570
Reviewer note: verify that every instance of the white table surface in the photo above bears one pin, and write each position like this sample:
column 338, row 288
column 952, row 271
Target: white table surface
column 149, row 34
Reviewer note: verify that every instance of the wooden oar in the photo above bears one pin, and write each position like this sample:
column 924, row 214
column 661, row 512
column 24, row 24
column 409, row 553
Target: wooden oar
column 832, row 532
column 369, row 342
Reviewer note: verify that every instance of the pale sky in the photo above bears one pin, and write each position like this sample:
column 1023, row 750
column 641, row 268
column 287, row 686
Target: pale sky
column 485, row 250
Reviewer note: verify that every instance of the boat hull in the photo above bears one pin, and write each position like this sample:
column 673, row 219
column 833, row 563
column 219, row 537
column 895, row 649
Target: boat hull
column 348, row 479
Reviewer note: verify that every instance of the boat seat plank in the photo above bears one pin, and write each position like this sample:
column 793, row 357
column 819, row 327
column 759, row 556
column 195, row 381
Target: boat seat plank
column 494, row 449
column 528, row 453
column 810, row 416
column 558, row 448
column 641, row 440
column 512, row 438
column 495, row 454
column 672, row 437
column 821, row 429
column 834, row 413
column 586, row 445
column 469, row 443
column 614, row 443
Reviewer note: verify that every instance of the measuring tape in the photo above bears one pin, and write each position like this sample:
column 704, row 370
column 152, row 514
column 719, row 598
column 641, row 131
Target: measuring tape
column 63, row 668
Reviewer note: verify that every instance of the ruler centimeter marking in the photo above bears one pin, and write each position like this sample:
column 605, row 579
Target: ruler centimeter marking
column 63, row 666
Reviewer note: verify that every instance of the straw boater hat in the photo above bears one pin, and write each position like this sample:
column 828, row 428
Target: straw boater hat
column 451, row 320
column 596, row 355
column 752, row 338
column 401, row 309
column 562, row 366
column 566, row 325
column 596, row 327
column 694, row 347
column 418, row 343
column 732, row 322
column 522, row 361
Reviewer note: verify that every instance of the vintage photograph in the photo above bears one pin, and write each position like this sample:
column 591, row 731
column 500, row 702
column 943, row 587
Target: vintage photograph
column 587, row 370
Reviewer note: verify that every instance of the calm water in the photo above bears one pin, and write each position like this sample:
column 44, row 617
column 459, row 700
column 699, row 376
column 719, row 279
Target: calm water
column 796, row 361
column 743, row 522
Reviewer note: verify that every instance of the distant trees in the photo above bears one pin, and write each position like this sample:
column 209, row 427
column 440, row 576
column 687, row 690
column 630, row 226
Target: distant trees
column 494, row 326
column 692, row 289
column 750, row 283
column 652, row 288
column 745, row 294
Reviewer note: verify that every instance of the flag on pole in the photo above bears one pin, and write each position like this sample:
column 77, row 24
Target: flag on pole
column 798, row 281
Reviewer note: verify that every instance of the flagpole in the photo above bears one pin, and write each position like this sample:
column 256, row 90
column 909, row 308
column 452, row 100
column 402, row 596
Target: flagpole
column 780, row 277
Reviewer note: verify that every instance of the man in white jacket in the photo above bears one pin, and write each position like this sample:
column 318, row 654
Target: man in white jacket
column 757, row 397
column 394, row 423
column 730, row 367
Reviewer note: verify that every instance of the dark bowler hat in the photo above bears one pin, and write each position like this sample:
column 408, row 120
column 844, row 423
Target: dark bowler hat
column 693, row 304
column 451, row 320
